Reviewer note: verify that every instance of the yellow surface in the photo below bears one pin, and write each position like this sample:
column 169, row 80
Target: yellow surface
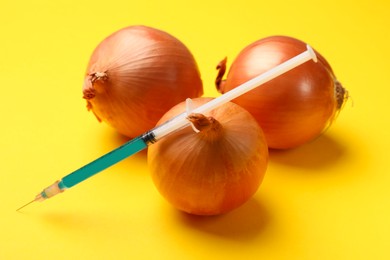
column 326, row 200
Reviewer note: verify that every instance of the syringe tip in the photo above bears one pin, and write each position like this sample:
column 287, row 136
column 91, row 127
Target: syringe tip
column 26, row 204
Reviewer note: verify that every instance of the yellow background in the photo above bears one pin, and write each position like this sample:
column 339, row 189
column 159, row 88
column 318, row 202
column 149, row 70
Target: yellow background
column 328, row 199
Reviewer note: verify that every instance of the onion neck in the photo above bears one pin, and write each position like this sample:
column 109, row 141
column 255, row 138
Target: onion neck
column 89, row 91
column 210, row 129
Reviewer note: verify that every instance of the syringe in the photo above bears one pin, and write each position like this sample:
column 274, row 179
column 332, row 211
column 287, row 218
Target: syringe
column 141, row 142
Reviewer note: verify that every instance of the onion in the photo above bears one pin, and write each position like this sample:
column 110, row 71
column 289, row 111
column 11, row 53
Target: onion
column 295, row 107
column 137, row 74
column 213, row 171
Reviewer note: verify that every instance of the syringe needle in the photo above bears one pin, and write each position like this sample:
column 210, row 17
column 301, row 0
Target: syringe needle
column 48, row 192
column 26, row 204
column 39, row 197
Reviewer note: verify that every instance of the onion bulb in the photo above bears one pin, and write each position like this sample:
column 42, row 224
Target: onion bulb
column 137, row 74
column 213, row 171
column 293, row 108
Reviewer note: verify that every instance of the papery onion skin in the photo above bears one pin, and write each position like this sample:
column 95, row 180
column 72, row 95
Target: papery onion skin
column 137, row 74
column 210, row 173
column 293, row 108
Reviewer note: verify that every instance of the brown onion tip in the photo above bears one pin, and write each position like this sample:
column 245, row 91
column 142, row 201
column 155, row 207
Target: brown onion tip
column 88, row 89
column 221, row 67
column 209, row 127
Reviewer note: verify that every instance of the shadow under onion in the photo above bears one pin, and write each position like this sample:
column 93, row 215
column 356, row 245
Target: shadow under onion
column 241, row 224
column 319, row 153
